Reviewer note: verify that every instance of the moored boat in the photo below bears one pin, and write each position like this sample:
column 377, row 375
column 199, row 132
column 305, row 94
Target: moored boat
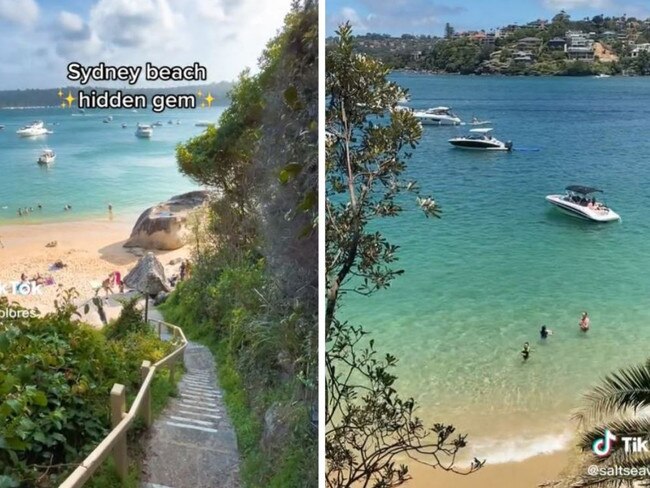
column 47, row 157
column 481, row 139
column 577, row 203
column 144, row 131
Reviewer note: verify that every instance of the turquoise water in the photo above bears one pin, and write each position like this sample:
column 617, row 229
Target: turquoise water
column 502, row 261
column 96, row 163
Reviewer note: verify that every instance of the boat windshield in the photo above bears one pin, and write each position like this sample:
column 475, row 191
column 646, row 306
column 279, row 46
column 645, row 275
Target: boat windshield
column 584, row 200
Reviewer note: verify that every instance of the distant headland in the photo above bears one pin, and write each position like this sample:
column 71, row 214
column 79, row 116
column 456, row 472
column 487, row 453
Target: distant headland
column 599, row 45
column 48, row 97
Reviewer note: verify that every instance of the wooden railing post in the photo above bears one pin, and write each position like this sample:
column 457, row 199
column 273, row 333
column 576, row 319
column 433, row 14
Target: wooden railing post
column 146, row 400
column 159, row 330
column 118, row 409
column 172, row 365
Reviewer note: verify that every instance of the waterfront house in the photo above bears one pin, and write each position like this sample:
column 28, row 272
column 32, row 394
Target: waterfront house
column 638, row 48
column 529, row 43
column 557, row 43
column 579, row 46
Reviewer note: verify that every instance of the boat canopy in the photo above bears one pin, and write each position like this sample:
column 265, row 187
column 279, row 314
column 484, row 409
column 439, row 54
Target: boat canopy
column 442, row 109
column 583, row 190
column 482, row 130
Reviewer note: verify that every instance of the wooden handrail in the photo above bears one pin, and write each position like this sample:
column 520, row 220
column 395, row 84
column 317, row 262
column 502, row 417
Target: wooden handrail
column 115, row 441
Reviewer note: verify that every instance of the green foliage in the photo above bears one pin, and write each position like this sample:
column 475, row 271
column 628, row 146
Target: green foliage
column 55, row 379
column 369, row 143
column 616, row 404
column 578, row 68
column 252, row 296
column 130, row 321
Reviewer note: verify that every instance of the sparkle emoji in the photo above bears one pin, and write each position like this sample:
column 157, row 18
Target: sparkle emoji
column 69, row 99
column 209, row 99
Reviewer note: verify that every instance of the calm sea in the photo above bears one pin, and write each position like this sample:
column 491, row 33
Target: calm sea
column 97, row 163
column 502, row 262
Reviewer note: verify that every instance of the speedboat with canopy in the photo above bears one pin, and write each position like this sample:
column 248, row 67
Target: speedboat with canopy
column 579, row 201
column 481, row 139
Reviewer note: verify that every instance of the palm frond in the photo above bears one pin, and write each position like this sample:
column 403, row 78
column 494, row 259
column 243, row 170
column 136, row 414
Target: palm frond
column 634, row 427
column 627, row 388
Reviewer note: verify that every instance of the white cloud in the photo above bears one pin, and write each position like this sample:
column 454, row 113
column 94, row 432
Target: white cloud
column 23, row 12
column 71, row 22
column 351, row 15
column 224, row 35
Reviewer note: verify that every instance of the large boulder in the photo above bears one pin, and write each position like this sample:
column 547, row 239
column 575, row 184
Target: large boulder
column 148, row 276
column 163, row 226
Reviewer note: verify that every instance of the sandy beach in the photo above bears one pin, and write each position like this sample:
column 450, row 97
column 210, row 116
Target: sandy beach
column 90, row 249
column 529, row 473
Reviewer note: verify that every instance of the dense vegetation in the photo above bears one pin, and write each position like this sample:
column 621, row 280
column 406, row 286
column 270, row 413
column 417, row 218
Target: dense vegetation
column 55, row 379
column 252, row 296
column 466, row 55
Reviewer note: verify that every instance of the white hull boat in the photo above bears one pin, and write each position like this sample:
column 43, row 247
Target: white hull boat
column 144, row 131
column 576, row 202
column 437, row 116
column 47, row 157
column 480, row 140
column 36, row 128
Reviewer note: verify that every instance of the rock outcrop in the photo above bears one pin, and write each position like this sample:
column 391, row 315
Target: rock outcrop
column 163, row 226
column 148, row 276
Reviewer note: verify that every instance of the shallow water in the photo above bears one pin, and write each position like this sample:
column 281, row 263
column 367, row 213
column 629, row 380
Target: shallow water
column 96, row 163
column 502, row 261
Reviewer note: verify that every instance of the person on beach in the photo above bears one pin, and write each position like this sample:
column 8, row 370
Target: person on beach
column 116, row 279
column 584, row 322
column 525, row 352
column 182, row 270
column 544, row 332
column 106, row 285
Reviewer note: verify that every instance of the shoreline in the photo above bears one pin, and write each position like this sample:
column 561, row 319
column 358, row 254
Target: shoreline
column 528, row 473
column 90, row 249
column 508, row 75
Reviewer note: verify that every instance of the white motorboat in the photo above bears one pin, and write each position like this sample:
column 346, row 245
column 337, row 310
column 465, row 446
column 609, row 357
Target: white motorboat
column 437, row 116
column 477, row 121
column 124, row 126
column 157, row 124
column 144, row 131
column 108, row 119
column 481, row 139
column 47, row 157
column 2, row 126
column 36, row 128
column 576, row 202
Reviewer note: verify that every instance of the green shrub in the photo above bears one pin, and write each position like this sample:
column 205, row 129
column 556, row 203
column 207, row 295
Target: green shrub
column 55, row 379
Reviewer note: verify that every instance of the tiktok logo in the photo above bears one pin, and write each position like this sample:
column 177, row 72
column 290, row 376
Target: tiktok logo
column 602, row 446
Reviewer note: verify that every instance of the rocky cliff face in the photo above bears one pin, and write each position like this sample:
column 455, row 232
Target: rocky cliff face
column 163, row 226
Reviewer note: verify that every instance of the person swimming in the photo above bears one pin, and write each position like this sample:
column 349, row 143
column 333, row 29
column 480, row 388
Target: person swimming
column 525, row 352
column 544, row 332
column 584, row 322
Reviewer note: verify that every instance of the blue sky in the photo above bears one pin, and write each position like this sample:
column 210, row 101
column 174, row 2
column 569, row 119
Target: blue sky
column 429, row 16
column 40, row 37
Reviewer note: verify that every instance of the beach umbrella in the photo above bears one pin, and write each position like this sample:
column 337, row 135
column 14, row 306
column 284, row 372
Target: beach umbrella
column 148, row 278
